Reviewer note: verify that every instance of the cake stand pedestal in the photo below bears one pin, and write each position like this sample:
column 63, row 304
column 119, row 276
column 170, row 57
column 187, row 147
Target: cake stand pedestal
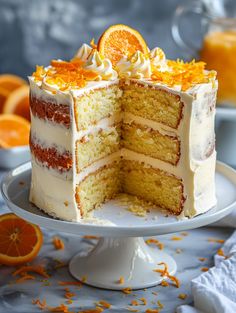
column 121, row 250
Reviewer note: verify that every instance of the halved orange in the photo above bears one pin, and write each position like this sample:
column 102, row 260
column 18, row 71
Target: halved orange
column 120, row 40
column 8, row 83
column 20, row 241
column 18, row 102
column 14, row 131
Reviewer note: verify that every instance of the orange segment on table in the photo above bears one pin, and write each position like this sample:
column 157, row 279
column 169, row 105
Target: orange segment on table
column 20, row 241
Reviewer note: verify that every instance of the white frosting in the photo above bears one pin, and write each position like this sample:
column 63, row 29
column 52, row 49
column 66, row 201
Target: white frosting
column 194, row 168
column 102, row 66
column 83, row 52
column 158, row 59
column 138, row 66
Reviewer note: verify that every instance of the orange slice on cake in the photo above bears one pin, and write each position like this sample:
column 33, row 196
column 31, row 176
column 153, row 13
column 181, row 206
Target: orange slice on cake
column 18, row 102
column 20, row 241
column 8, row 83
column 14, row 131
column 120, row 40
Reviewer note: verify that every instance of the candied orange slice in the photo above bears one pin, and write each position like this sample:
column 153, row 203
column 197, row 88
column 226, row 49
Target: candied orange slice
column 120, row 40
column 20, row 241
column 18, row 102
column 14, row 131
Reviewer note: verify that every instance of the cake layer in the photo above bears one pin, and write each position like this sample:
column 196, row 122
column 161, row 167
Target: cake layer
column 98, row 187
column 154, row 185
column 50, row 157
column 51, row 111
column 150, row 142
column 96, row 145
column 94, row 105
column 152, row 103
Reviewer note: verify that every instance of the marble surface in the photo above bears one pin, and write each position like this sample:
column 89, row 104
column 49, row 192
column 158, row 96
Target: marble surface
column 17, row 298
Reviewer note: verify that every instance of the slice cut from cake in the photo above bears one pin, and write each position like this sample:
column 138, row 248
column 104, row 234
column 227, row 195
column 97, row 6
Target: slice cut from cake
column 138, row 124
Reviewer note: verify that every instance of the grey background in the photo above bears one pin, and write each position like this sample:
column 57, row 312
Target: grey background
column 35, row 31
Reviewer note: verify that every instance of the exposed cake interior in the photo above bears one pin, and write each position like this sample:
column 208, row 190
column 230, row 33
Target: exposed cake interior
column 135, row 136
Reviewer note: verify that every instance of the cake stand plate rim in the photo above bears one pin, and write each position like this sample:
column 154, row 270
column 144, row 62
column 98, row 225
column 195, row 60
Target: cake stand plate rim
column 116, row 231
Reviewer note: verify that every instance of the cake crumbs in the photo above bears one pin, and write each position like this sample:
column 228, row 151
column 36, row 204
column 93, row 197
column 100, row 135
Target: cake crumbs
column 127, row 290
column 184, row 234
column 155, row 242
column 202, row 259
column 205, row 269
column 154, row 293
column 58, row 243
column 182, row 296
column 121, row 280
column 66, row 203
column 21, row 183
column 84, row 279
column 59, row 264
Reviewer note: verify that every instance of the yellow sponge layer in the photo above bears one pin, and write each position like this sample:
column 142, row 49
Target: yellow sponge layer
column 97, row 104
column 153, row 185
column 150, row 142
column 98, row 187
column 97, row 145
column 152, row 103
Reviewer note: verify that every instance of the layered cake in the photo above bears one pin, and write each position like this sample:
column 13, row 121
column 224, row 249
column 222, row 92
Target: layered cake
column 119, row 117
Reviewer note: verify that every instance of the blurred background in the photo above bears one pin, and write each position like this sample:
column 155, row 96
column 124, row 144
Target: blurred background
column 35, row 31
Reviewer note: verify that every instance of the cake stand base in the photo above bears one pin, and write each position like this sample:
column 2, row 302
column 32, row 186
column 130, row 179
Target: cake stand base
column 113, row 258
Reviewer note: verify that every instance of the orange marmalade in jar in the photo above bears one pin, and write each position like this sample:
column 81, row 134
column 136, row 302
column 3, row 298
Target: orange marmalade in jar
column 219, row 53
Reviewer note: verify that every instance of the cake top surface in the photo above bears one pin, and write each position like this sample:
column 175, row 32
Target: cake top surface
column 121, row 53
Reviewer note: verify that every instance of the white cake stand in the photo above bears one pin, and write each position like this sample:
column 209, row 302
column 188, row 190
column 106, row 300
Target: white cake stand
column 121, row 250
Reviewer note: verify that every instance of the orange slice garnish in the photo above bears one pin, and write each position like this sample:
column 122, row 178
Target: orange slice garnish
column 8, row 83
column 120, row 40
column 18, row 102
column 14, row 131
column 20, row 241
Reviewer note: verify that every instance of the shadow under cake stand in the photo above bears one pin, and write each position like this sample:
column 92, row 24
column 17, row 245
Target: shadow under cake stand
column 121, row 250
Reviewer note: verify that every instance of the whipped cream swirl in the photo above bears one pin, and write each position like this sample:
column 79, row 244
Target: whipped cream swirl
column 83, row 52
column 138, row 66
column 158, row 59
column 102, row 66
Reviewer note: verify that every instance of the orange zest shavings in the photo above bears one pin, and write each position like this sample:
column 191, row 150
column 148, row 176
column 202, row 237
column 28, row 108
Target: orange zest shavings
column 186, row 74
column 221, row 252
column 127, row 290
column 38, row 269
column 143, row 300
column 43, row 306
column 65, row 74
column 155, row 242
column 152, row 311
column 216, row 240
column 204, row 269
column 69, row 283
column 134, row 303
column 164, row 283
column 104, row 304
column 160, row 305
column 182, row 296
column 24, row 278
column 202, row 259
column 58, row 243
column 176, row 238
column 165, row 273
column 121, row 280
column 91, row 237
